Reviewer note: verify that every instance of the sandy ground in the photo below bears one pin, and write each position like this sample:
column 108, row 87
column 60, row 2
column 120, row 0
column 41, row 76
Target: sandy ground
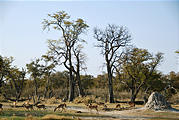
column 135, row 113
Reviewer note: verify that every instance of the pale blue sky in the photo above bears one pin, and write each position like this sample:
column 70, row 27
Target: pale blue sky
column 153, row 25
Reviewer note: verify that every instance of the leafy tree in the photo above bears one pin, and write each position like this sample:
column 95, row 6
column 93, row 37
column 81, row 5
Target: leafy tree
column 16, row 78
column 36, row 72
column 172, row 82
column 60, row 84
column 87, row 81
column 5, row 64
column 137, row 68
column 111, row 40
column 156, row 82
column 47, row 69
column 62, row 49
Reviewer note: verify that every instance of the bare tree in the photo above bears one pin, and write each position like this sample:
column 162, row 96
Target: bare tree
column 110, row 41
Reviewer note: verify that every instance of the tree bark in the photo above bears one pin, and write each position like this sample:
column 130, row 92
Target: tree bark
column 36, row 87
column 80, row 89
column 71, row 81
column 46, row 88
column 110, row 84
column 71, row 87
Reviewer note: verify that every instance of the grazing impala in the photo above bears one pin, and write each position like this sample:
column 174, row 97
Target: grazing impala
column 90, row 106
column 118, row 106
column 41, row 106
column 63, row 106
column 101, row 104
column 28, row 106
column 131, row 104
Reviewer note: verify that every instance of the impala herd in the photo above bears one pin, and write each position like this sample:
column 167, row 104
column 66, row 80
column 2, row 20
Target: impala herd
column 90, row 106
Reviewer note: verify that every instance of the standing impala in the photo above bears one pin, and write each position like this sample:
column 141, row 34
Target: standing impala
column 90, row 106
column 63, row 106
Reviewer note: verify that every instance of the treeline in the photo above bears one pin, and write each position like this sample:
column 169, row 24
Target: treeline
column 128, row 68
column 17, row 87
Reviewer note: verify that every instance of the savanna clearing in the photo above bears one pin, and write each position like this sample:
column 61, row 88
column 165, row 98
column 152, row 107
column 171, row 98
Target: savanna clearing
column 80, row 111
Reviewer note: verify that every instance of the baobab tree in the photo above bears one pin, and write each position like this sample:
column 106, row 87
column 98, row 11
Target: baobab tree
column 111, row 40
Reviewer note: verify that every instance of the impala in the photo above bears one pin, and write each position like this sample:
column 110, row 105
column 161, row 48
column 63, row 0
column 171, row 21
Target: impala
column 131, row 104
column 118, row 106
column 90, row 106
column 63, row 106
column 28, row 106
column 41, row 106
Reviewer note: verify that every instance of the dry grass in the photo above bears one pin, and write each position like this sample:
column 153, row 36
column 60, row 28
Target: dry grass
column 174, row 99
column 88, row 99
column 56, row 117
column 52, row 100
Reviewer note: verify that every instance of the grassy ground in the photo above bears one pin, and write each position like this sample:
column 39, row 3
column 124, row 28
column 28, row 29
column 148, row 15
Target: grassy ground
column 21, row 113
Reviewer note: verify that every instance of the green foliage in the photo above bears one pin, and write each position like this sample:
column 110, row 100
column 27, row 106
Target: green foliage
column 87, row 81
column 35, row 69
column 5, row 65
column 138, row 68
column 173, row 79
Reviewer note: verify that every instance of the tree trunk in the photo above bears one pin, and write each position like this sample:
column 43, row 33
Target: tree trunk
column 46, row 88
column 36, row 87
column 135, row 91
column 71, row 80
column 71, row 87
column 80, row 89
column 110, row 84
column 133, row 96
